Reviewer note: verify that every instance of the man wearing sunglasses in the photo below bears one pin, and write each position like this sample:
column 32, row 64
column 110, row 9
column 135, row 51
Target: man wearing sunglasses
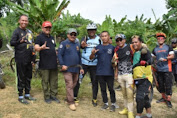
column 45, row 45
column 69, row 55
column 174, row 61
column 164, row 54
column 124, row 54
column 88, row 43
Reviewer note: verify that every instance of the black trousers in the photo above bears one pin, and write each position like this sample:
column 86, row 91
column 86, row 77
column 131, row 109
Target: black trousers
column 92, row 72
column 109, row 81
column 24, row 75
column 165, row 82
column 175, row 75
column 142, row 98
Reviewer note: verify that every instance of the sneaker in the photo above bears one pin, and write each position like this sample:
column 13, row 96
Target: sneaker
column 94, row 102
column 145, row 116
column 55, row 99
column 160, row 100
column 72, row 107
column 116, row 106
column 23, row 100
column 48, row 101
column 30, row 98
column 130, row 115
column 112, row 108
column 118, row 88
column 124, row 111
column 105, row 106
column 169, row 104
column 76, row 101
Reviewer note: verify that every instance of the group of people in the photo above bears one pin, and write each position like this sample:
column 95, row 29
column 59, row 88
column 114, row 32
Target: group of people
column 129, row 63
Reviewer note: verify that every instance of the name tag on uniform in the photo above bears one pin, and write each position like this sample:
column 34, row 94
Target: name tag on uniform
column 53, row 41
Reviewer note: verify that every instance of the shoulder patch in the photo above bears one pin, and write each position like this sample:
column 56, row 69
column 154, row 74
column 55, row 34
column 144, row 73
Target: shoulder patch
column 61, row 46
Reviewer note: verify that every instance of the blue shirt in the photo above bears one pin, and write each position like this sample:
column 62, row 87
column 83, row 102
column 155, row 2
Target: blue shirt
column 69, row 55
column 163, row 52
column 86, row 52
column 104, row 56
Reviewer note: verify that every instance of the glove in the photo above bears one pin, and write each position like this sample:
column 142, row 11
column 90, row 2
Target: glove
column 143, row 63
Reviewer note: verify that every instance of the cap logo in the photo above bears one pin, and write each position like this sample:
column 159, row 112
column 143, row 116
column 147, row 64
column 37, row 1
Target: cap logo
column 47, row 23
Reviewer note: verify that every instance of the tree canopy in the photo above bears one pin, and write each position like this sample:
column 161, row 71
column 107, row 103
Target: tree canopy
column 52, row 10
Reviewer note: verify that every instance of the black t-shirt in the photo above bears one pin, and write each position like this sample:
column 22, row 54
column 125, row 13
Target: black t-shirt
column 124, row 57
column 23, row 53
column 48, row 57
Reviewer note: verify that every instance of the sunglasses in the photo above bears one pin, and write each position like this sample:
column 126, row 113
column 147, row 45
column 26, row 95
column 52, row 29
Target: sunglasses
column 91, row 30
column 119, row 39
column 73, row 34
column 47, row 27
column 160, row 38
column 174, row 42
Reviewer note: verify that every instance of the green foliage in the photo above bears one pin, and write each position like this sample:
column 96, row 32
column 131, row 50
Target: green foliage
column 140, row 26
column 168, row 24
column 7, row 26
column 3, row 8
column 38, row 11
column 107, row 25
column 70, row 21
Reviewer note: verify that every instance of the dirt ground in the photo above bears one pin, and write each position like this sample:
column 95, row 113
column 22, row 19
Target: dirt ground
column 11, row 108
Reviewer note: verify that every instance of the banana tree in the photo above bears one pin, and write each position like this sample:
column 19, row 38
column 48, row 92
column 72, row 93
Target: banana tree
column 168, row 24
column 70, row 21
column 107, row 25
column 39, row 11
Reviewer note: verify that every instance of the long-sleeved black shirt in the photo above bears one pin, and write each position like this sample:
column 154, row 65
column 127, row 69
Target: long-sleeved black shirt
column 23, row 54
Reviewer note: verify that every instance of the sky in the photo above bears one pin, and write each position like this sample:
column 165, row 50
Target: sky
column 96, row 10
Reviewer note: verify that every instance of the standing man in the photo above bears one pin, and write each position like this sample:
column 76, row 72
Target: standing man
column 69, row 55
column 22, row 40
column 142, row 75
column 174, row 61
column 105, row 72
column 124, row 53
column 88, row 44
column 45, row 45
column 164, row 54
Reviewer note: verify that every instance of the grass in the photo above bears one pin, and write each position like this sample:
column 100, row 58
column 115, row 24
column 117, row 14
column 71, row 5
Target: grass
column 11, row 108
